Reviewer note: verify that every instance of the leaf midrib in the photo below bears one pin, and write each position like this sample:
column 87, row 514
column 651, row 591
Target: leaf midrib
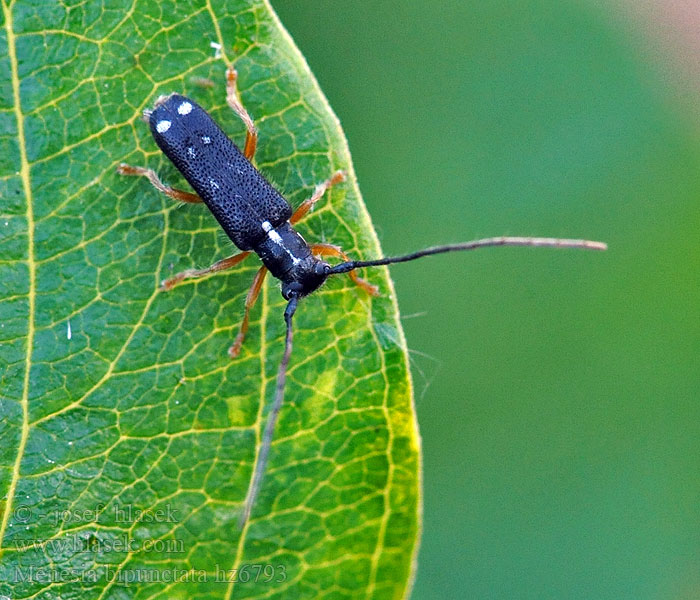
column 31, row 266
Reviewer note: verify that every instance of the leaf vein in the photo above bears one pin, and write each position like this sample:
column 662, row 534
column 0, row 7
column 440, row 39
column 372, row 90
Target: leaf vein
column 26, row 183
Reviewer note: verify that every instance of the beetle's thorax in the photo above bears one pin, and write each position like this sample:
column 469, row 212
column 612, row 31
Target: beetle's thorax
column 288, row 258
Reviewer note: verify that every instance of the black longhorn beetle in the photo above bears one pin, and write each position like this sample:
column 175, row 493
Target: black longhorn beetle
column 258, row 219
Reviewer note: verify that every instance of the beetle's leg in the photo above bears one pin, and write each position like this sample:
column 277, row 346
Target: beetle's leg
column 331, row 250
column 252, row 296
column 233, row 100
column 221, row 265
column 321, row 188
column 182, row 196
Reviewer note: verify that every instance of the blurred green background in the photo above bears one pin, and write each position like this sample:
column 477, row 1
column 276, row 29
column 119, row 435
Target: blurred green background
column 559, row 400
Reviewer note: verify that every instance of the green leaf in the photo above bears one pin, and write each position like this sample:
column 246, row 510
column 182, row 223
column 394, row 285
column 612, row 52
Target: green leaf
column 128, row 436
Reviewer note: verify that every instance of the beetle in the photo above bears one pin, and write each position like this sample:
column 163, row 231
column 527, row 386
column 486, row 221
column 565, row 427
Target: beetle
column 257, row 218
column 249, row 209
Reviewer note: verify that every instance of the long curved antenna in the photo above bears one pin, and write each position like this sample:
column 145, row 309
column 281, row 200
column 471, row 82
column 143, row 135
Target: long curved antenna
column 473, row 245
column 261, row 463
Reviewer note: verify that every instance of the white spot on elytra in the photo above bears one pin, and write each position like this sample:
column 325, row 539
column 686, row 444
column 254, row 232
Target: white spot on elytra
column 206, row 139
column 163, row 126
column 267, row 226
column 213, row 184
column 275, row 237
column 185, row 108
column 191, row 153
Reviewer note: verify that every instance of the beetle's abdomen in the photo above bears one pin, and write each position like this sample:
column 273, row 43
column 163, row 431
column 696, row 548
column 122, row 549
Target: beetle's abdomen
column 240, row 198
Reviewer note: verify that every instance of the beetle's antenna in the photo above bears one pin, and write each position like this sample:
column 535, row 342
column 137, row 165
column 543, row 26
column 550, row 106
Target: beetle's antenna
column 261, row 463
column 473, row 245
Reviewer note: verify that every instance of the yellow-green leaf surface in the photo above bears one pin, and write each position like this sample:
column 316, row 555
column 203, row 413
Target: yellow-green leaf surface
column 128, row 437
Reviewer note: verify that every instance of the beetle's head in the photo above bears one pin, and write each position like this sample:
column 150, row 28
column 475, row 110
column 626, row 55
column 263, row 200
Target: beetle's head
column 306, row 277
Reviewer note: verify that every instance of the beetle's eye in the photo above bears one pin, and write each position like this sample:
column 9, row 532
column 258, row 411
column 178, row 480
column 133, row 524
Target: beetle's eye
column 293, row 288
